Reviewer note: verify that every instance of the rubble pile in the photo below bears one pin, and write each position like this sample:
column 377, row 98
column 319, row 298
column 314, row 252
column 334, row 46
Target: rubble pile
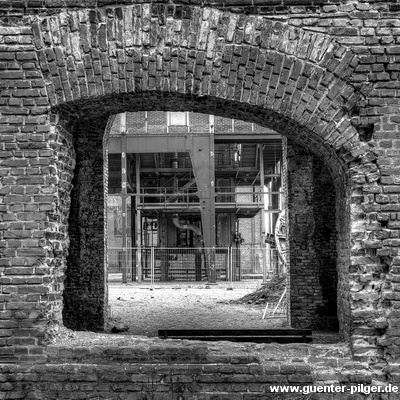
column 269, row 292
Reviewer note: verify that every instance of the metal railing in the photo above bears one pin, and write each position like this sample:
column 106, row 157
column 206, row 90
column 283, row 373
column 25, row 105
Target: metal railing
column 168, row 197
column 184, row 264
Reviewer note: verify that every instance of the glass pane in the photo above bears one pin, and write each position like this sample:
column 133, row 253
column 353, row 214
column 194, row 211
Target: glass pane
column 177, row 118
column 114, row 173
column 118, row 260
column 114, row 222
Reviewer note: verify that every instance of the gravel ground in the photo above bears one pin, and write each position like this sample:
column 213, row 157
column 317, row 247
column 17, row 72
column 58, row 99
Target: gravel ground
column 145, row 309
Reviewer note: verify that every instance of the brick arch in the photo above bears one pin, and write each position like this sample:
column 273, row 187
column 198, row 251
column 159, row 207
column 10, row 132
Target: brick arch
column 295, row 78
column 98, row 62
column 103, row 61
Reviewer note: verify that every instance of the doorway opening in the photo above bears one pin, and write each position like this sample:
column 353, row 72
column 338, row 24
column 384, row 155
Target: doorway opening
column 197, row 201
column 210, row 261
column 192, row 200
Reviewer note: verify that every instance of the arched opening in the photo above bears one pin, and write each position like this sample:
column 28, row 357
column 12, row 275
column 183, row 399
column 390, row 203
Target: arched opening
column 183, row 58
column 89, row 136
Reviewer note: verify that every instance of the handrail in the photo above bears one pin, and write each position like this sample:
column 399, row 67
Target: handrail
column 170, row 197
column 163, row 196
column 218, row 191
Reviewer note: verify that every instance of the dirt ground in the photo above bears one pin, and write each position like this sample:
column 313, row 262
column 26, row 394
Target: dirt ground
column 183, row 306
column 144, row 310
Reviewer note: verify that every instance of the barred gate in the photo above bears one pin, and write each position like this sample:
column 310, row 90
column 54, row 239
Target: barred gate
column 183, row 264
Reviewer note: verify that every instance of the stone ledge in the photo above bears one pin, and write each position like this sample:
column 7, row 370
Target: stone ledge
column 88, row 347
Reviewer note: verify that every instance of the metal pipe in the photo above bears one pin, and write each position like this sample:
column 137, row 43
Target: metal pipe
column 174, row 161
column 190, row 227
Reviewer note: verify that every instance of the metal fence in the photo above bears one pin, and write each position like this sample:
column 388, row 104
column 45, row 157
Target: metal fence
column 161, row 264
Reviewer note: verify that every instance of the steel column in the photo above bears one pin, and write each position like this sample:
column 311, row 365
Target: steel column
column 263, row 219
column 138, row 223
column 202, row 156
column 124, row 195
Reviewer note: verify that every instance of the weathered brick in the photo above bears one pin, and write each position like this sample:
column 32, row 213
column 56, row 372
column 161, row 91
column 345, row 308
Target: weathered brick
column 96, row 40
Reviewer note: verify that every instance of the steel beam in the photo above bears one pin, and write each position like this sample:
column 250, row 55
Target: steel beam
column 124, row 192
column 138, row 222
column 182, row 142
column 245, row 138
column 165, row 170
column 202, row 157
column 152, row 144
column 263, row 219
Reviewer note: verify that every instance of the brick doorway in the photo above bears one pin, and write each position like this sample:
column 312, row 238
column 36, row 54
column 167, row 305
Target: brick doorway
column 312, row 250
column 91, row 72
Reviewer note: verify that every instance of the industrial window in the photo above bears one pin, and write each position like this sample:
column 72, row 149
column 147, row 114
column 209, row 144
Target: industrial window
column 178, row 118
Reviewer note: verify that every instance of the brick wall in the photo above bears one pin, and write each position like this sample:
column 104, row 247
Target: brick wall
column 142, row 368
column 325, row 242
column 326, row 76
column 85, row 293
column 311, row 233
column 257, row 7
